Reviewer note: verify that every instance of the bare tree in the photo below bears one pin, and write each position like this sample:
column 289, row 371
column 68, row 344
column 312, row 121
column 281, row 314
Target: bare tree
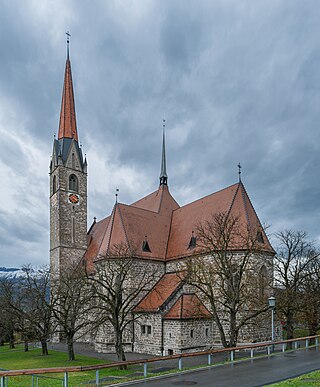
column 37, row 309
column 26, row 305
column 310, row 308
column 119, row 283
column 223, row 269
column 295, row 256
column 11, row 320
column 72, row 306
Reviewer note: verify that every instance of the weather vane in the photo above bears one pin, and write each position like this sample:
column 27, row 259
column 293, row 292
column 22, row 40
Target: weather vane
column 117, row 190
column 68, row 41
column 239, row 167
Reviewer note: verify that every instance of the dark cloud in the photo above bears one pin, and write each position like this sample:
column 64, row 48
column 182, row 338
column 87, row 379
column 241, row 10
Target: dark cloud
column 236, row 81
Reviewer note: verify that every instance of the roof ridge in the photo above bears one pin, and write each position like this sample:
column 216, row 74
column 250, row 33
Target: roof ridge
column 243, row 192
column 206, row 196
column 111, row 228
column 139, row 208
column 232, row 201
column 169, row 233
column 124, row 229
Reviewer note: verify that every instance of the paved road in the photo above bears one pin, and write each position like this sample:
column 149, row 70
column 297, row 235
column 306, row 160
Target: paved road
column 250, row 373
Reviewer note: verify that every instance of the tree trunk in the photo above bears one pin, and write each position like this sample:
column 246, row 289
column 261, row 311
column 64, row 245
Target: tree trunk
column 11, row 342
column 119, row 350
column 289, row 329
column 71, row 355
column 233, row 330
column 1, row 342
column 26, row 346
column 44, row 347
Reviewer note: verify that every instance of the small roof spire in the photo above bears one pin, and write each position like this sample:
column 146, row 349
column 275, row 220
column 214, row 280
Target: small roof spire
column 163, row 173
column 239, row 172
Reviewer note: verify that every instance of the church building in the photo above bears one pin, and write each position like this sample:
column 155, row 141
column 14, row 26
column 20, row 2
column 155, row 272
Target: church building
column 172, row 317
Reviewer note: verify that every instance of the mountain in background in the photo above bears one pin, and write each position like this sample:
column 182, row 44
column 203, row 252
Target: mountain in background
column 10, row 271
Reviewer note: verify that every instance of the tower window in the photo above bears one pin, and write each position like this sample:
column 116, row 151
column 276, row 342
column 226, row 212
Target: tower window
column 73, row 183
column 54, row 184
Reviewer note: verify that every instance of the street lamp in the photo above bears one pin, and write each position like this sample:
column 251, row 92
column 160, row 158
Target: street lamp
column 272, row 305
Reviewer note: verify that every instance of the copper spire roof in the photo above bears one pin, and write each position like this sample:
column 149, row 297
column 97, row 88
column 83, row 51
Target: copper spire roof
column 68, row 124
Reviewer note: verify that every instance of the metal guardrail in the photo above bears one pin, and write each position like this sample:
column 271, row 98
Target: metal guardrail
column 4, row 375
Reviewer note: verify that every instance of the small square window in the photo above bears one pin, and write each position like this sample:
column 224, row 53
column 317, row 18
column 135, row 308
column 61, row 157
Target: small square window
column 143, row 329
column 149, row 329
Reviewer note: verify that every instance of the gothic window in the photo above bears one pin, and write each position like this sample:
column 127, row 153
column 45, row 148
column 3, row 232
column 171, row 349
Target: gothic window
column 73, row 183
column 73, row 163
column 54, row 184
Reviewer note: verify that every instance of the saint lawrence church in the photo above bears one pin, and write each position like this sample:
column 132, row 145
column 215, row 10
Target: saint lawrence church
column 171, row 316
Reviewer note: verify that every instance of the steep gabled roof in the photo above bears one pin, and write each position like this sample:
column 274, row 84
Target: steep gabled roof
column 68, row 124
column 188, row 306
column 131, row 224
column 232, row 200
column 163, row 290
column 95, row 237
column 161, row 198
column 167, row 228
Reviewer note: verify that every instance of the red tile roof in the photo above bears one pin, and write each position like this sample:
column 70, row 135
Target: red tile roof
column 68, row 124
column 167, row 285
column 167, row 226
column 186, row 307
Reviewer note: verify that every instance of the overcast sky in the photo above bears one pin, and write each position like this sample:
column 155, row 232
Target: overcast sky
column 235, row 81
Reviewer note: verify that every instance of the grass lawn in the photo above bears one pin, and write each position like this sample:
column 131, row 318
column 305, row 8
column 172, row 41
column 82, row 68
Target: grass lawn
column 311, row 379
column 18, row 359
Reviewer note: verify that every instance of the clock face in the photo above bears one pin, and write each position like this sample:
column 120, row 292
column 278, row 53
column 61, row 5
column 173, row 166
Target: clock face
column 73, row 198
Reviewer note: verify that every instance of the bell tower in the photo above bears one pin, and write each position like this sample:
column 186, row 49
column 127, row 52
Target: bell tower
column 68, row 186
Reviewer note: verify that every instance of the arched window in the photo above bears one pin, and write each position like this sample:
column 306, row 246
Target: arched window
column 54, row 184
column 73, row 183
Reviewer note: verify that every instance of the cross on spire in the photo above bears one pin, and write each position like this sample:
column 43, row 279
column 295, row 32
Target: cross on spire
column 116, row 195
column 239, row 171
column 163, row 172
column 68, row 41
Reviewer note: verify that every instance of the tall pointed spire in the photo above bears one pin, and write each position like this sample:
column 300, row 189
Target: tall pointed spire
column 163, row 173
column 68, row 124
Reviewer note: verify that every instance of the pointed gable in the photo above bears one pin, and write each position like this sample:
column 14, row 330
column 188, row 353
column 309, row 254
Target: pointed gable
column 67, row 124
column 186, row 218
column 163, row 290
column 96, row 235
column 188, row 306
column 232, row 200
